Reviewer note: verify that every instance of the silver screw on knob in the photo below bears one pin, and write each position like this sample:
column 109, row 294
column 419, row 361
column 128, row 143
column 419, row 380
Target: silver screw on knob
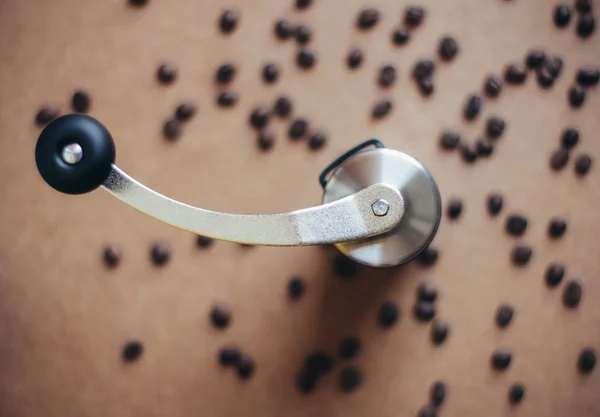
column 380, row 207
column 72, row 153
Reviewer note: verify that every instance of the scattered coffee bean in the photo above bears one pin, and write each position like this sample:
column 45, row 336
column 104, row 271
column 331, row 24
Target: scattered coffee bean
column 400, row 36
column 554, row 274
column 494, row 204
column 306, row 381
column 495, row 127
column 424, row 68
column 284, row 29
column 521, row 254
column 576, row 96
column 426, row 86
column 220, row 316
column 160, row 253
column 516, row 225
column 260, row 117
column 428, row 256
column 317, row 140
column 587, row 360
column 306, row 58
column 349, row 347
column 554, row 65
column 367, row 18
column 484, row 148
column 355, row 58
column 427, row 411
column 583, row 163
column 381, row 108
column 516, row 392
column 449, row 140
column 437, row 393
column 448, row 48
column 557, row 227
column 544, row 78
column 132, row 351
column 569, row 138
column 504, row 315
column 303, row 34
column 318, row 362
column 225, row 73
column 204, row 241
column 586, row 25
column 584, row 6
column 270, row 73
column 303, row 4
column 81, row 101
column 426, row 291
column 298, row 129
column 227, row 98
column 572, row 294
column 46, row 114
column 588, row 76
column 493, row 86
column 138, row 3
column 562, row 15
column 229, row 355
column 283, row 107
column 388, row 314
column 172, row 129
column 559, row 159
column 387, row 76
column 245, row 367
column 185, row 111
column 265, row 139
column 112, row 256
column 439, row 331
column 501, row 359
column 414, row 16
column 167, row 73
column 515, row 74
column 535, row 58
column 454, row 209
column 296, row 288
column 424, row 310
column 344, row 267
column 350, row 378
column 472, row 107
column 229, row 20
column 468, row 153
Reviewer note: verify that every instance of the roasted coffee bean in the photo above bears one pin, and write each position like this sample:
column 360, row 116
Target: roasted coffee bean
column 318, row 362
column 494, row 204
column 424, row 311
column 424, row 68
column 554, row 65
column 132, row 351
column 449, row 140
column 259, row 117
column 283, row 107
column 112, row 256
column 448, row 48
column 521, row 254
column 484, row 148
column 81, row 101
column 584, row 6
column 472, row 107
column 535, row 58
column 504, row 315
column 355, row 58
column 501, row 359
column 554, row 274
column 367, row 18
column 245, row 367
column 387, row 76
column 414, row 16
column 454, row 208
column 303, row 34
column 559, row 159
column 220, row 316
column 562, row 15
column 229, row 20
column 350, row 378
column 516, row 392
column 495, row 127
column 229, row 355
column 160, row 253
column 265, row 139
column 468, row 153
column 426, row 86
column 437, row 393
column 388, row 314
column 185, row 111
column 428, row 256
column 46, row 114
column 317, row 140
column 306, row 381
column 167, row 73
column 586, row 25
column 588, row 76
column 569, row 138
column 298, row 129
column 439, row 331
column 204, row 242
column 344, row 267
column 270, row 73
column 427, row 411
column 587, row 360
column 544, row 78
column 400, row 36
column 349, row 347
column 138, row 3
column 227, row 98
column 172, row 129
column 381, row 108
column 516, row 225
column 306, row 58
column 296, row 288
column 583, row 163
column 493, row 86
column 557, row 227
column 426, row 291
column 225, row 73
column 284, row 29
column 515, row 74
column 303, row 4
column 576, row 96
column 572, row 294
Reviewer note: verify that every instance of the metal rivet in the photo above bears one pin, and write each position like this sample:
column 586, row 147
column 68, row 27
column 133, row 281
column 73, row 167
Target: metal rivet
column 380, row 207
column 72, row 153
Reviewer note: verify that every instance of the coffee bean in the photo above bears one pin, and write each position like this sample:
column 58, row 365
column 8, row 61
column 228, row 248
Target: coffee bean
column 46, row 114
column 303, row 4
column 81, row 101
column 583, row 163
column 172, row 129
column 317, row 140
column 284, row 29
column 132, row 351
column 112, row 256
column 428, row 256
column 227, row 98
column 554, row 65
column 521, row 254
column 576, row 96
column 167, row 73
column 424, row 68
column 427, row 411
column 448, row 48
column 424, row 311
column 306, row 58
column 557, row 227
column 387, row 76
column 350, row 378
column 306, row 381
column 296, row 288
column 160, row 253
column 349, row 347
column 494, row 204
column 283, row 107
column 298, row 129
column 584, row 6
column 572, row 294
column 559, row 159
column 388, row 314
column 414, row 16
column 504, row 315
column 439, row 331
column 426, row 86
column 454, row 209
column 515, row 74
column 437, row 393
column 493, row 86
column 259, row 117
column 562, row 15
column 344, row 267
column 587, row 360
column 472, row 107
column 245, row 367
column 265, row 139
column 400, row 36
column 355, row 58
column 554, row 274
column 535, row 58
column 381, row 108
column 427, row 291
column 495, row 127
column 484, row 148
column 138, row 3
column 569, row 138
column 229, row 20
column 185, row 111
column 303, row 34
column 204, row 241
column 544, row 78
column 318, row 362
column 270, row 73
column 468, row 153
column 516, row 225
column 501, row 359
column 229, row 355
column 225, row 73
column 516, row 392
column 367, row 18
column 586, row 25
column 588, row 76
column 449, row 140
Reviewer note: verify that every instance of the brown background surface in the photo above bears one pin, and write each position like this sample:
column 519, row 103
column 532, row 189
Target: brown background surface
column 64, row 317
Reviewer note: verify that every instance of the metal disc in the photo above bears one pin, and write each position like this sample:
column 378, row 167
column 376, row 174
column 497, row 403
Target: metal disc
column 422, row 204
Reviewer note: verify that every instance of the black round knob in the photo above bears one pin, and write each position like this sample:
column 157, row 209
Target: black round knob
column 74, row 154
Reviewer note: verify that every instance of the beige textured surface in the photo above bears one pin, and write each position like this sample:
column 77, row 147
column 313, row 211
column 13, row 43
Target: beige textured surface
column 64, row 318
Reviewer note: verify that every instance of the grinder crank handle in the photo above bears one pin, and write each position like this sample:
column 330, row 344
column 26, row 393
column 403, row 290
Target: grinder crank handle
column 75, row 154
